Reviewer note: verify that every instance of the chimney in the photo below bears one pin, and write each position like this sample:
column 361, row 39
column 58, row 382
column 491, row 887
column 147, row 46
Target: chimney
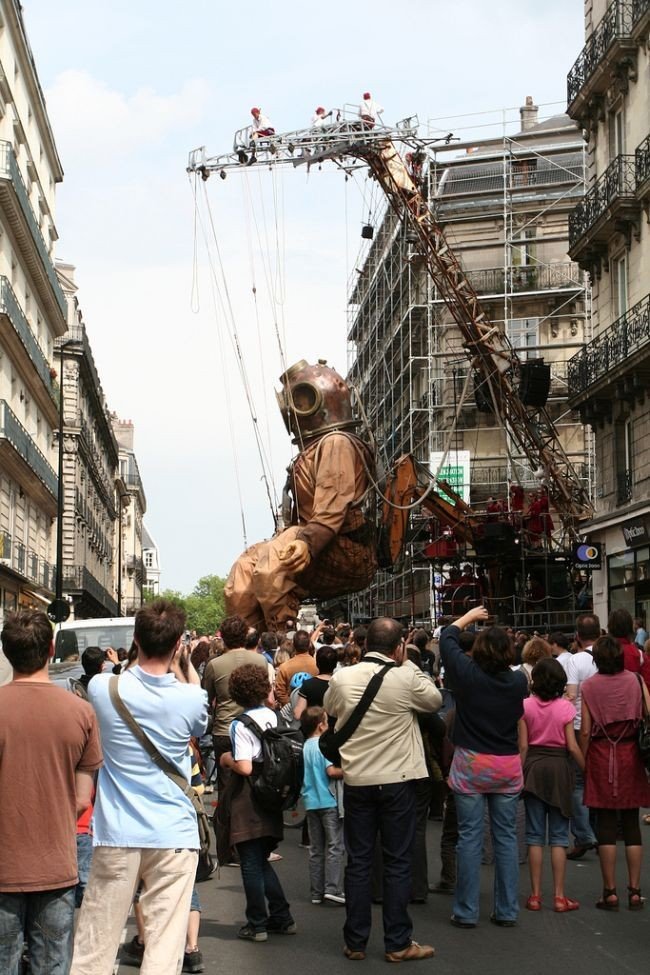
column 528, row 114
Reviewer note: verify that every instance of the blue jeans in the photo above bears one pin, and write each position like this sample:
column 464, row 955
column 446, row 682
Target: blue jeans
column 326, row 851
column 84, row 857
column 538, row 815
column 45, row 920
column 502, row 809
column 261, row 884
column 580, row 825
column 390, row 811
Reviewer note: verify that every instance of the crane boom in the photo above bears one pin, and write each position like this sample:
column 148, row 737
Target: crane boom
column 493, row 358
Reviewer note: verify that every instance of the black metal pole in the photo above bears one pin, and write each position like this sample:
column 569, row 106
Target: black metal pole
column 59, row 505
column 119, row 556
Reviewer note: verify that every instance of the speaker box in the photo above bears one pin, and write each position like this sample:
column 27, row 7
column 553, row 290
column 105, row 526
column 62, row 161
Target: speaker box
column 482, row 396
column 534, row 383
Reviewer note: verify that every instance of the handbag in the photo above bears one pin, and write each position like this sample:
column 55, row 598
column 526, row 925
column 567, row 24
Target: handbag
column 644, row 730
column 330, row 741
column 206, row 864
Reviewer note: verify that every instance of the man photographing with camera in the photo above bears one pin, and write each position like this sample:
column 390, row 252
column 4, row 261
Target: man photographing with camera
column 145, row 827
column 381, row 761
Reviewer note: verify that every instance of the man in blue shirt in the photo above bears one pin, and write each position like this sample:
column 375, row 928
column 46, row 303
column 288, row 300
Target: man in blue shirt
column 145, row 828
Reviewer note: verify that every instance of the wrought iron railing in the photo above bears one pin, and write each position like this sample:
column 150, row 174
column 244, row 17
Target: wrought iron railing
column 617, row 182
column 135, row 564
column 9, row 306
column 15, row 555
column 624, row 482
column 521, row 278
column 617, row 22
column 9, row 169
column 13, row 431
column 642, row 162
column 131, row 475
column 80, row 577
column 627, row 335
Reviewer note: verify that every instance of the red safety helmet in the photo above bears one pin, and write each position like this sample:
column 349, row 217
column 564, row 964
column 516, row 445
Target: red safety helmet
column 255, row 111
column 367, row 95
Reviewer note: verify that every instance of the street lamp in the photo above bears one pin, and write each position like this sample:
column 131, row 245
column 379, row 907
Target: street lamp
column 59, row 610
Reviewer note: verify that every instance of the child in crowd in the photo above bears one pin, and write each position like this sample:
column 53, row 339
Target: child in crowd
column 254, row 831
column 547, row 742
column 325, row 825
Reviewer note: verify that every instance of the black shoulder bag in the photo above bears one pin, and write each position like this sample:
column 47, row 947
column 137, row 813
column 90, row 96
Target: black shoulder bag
column 331, row 741
column 206, row 864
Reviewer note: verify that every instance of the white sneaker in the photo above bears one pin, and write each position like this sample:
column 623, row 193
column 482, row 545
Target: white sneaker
column 335, row 898
column 317, row 900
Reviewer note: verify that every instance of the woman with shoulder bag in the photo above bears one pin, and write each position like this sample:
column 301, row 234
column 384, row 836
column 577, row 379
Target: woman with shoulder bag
column 616, row 784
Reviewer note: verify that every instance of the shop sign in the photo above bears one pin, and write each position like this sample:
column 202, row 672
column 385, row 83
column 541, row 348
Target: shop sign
column 635, row 532
column 588, row 555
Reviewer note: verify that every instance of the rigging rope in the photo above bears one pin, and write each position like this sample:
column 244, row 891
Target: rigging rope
column 222, row 359
column 229, row 318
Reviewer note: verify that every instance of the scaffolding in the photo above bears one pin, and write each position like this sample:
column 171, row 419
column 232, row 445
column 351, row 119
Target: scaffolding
column 503, row 200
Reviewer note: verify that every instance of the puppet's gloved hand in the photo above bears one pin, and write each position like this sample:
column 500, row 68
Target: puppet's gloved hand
column 295, row 557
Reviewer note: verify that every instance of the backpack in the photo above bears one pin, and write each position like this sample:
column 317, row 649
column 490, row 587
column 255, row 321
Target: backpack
column 277, row 778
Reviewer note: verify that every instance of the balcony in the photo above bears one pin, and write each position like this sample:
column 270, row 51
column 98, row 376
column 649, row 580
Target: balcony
column 134, row 564
column 27, row 563
column 616, row 364
column 642, row 169
column 611, row 205
column 624, row 483
column 78, row 579
column 22, row 458
column 526, row 279
column 15, row 200
column 22, row 341
column 608, row 57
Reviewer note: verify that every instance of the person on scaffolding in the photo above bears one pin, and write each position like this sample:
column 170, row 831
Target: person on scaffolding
column 319, row 118
column 327, row 548
column 369, row 111
column 262, row 128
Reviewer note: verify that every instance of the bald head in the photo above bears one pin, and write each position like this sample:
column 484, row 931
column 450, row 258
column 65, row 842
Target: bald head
column 384, row 636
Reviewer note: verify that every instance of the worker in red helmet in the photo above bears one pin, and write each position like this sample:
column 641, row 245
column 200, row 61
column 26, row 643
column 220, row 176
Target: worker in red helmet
column 262, row 127
column 318, row 119
column 369, row 111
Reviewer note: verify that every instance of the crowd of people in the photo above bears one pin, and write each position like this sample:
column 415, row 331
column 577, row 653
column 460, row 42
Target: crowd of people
column 398, row 727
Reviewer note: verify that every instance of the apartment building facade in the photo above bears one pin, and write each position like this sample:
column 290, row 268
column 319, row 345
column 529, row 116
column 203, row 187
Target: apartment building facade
column 90, row 470
column 132, row 505
column 608, row 93
column 32, row 317
column 504, row 203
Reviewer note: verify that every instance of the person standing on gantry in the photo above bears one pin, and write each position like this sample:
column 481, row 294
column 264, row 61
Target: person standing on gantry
column 327, row 548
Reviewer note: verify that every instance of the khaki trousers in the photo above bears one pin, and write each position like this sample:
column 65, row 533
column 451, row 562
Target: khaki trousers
column 167, row 879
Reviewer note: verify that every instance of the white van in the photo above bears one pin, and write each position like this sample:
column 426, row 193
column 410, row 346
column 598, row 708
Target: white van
column 71, row 639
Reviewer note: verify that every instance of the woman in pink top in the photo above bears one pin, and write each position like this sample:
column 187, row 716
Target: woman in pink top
column 546, row 740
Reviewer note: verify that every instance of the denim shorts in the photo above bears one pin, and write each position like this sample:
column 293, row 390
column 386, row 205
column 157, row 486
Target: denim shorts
column 538, row 815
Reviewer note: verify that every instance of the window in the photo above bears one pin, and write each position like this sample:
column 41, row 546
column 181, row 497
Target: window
column 522, row 247
column 523, row 333
column 616, row 134
column 619, row 286
column 624, row 457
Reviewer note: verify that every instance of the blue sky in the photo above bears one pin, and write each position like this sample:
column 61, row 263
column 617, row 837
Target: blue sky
column 131, row 88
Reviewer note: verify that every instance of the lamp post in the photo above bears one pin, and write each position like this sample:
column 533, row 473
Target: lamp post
column 59, row 610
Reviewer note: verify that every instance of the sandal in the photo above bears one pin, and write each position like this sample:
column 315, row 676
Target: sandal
column 563, row 904
column 534, row 902
column 606, row 903
column 634, row 900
